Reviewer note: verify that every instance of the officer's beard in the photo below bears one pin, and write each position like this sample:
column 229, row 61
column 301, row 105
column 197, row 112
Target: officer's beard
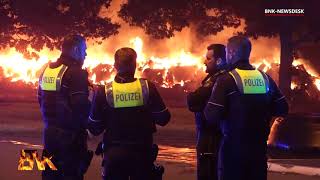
column 212, row 69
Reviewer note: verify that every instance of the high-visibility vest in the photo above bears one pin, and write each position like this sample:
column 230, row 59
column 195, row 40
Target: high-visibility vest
column 52, row 77
column 250, row 81
column 122, row 95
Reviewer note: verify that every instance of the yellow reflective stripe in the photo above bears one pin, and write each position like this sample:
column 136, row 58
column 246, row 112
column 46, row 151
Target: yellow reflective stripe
column 127, row 94
column 145, row 90
column 237, row 79
column 51, row 78
column 250, row 81
column 109, row 94
column 266, row 79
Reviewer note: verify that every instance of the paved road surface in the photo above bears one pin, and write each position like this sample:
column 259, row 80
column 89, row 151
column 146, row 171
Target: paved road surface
column 179, row 163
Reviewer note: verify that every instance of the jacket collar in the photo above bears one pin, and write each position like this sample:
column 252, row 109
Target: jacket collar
column 242, row 64
column 124, row 78
column 66, row 60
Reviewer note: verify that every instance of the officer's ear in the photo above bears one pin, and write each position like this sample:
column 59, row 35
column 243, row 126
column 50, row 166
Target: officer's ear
column 219, row 62
column 230, row 55
column 74, row 52
column 76, row 49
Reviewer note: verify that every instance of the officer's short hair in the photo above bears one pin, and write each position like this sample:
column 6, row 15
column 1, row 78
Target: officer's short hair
column 219, row 50
column 125, row 58
column 241, row 44
column 71, row 41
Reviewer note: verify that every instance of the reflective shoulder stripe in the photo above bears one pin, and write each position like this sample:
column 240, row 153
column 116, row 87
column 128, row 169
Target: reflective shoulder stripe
column 237, row 79
column 109, row 94
column 215, row 104
column 145, row 90
column 267, row 83
column 94, row 120
column 52, row 78
column 280, row 98
column 165, row 109
column 231, row 93
column 60, row 75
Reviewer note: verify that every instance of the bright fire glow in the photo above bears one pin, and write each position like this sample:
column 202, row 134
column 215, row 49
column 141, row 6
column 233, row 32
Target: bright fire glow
column 16, row 67
column 317, row 82
column 293, row 85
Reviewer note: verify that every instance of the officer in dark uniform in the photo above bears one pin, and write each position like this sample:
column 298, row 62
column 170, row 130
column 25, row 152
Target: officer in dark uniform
column 127, row 110
column 63, row 99
column 242, row 103
column 207, row 136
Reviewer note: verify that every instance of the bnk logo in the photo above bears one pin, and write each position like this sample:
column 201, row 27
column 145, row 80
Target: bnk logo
column 27, row 158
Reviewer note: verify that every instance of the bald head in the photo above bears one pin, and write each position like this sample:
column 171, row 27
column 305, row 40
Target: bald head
column 238, row 49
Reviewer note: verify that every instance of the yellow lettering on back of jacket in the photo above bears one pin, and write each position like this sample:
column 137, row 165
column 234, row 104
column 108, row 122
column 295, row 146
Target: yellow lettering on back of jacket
column 127, row 94
column 51, row 78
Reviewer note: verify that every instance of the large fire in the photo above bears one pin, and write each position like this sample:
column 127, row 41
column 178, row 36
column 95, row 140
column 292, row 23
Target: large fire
column 177, row 68
column 16, row 67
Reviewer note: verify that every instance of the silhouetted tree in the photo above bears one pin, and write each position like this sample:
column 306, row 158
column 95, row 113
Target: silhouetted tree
column 161, row 19
column 46, row 22
column 293, row 31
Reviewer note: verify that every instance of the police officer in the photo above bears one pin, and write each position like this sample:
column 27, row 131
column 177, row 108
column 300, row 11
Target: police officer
column 63, row 99
column 127, row 110
column 242, row 104
column 207, row 136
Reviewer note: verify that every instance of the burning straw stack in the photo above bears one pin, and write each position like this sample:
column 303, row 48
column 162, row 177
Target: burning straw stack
column 174, row 83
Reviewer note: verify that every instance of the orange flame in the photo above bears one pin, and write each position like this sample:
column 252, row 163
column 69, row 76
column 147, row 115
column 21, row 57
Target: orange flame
column 16, row 67
column 293, row 85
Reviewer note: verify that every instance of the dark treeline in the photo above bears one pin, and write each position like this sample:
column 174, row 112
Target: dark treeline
column 41, row 23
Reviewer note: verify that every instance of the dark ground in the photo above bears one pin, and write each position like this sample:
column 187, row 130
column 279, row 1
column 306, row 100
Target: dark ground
column 20, row 128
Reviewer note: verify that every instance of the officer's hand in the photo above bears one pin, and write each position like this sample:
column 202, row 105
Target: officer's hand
column 274, row 127
column 279, row 120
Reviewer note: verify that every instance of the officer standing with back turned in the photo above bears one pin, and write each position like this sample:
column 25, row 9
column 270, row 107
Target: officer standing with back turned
column 63, row 99
column 127, row 110
column 242, row 103
column 208, row 137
